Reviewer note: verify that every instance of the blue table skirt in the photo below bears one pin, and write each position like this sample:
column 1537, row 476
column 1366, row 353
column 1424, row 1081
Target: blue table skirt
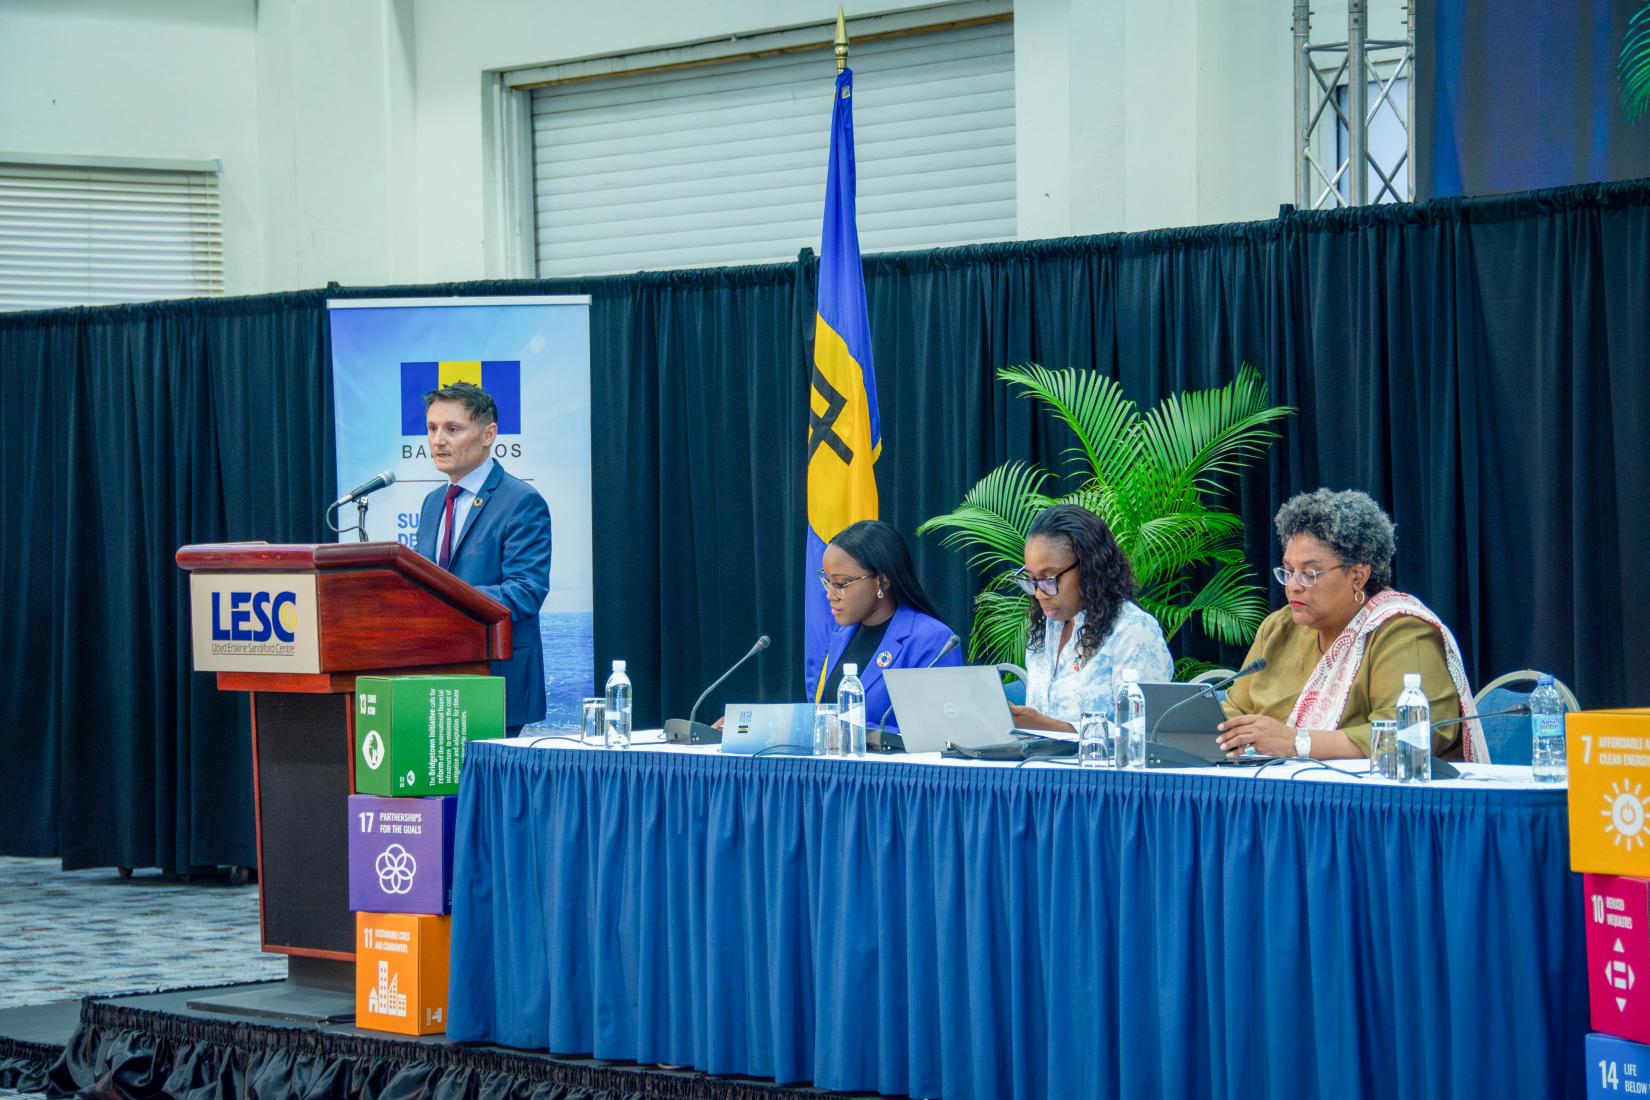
column 987, row 932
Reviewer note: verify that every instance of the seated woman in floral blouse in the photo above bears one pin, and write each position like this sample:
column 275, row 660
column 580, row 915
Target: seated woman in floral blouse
column 1086, row 628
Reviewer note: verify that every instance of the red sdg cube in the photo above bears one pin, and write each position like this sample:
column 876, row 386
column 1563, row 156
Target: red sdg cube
column 1618, row 955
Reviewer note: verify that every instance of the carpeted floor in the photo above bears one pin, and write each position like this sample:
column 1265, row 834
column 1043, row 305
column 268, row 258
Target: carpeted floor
column 64, row 935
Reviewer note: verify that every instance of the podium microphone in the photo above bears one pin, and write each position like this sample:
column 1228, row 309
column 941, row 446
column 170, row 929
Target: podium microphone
column 686, row 731
column 380, row 480
column 880, row 740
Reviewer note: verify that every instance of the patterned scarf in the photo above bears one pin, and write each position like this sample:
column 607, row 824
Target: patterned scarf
column 1324, row 697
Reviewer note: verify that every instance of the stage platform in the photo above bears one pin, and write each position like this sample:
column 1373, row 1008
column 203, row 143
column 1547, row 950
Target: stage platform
column 154, row 1045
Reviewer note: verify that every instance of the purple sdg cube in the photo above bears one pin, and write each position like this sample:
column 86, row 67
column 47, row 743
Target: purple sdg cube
column 401, row 854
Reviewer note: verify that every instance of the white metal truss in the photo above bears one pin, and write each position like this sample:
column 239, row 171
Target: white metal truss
column 1322, row 77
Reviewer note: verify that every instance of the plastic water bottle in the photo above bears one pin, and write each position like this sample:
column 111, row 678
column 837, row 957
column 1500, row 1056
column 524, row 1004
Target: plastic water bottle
column 850, row 705
column 1547, row 732
column 1414, row 732
column 1130, row 710
column 616, row 711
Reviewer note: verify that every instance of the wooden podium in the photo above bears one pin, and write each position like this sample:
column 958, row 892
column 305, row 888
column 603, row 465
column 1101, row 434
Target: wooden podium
column 295, row 625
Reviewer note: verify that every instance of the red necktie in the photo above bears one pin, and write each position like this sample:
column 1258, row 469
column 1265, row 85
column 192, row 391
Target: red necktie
column 446, row 558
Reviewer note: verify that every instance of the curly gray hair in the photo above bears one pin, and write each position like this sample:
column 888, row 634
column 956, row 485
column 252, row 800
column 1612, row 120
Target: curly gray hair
column 1349, row 523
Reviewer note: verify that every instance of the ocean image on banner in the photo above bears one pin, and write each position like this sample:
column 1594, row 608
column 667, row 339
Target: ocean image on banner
column 533, row 356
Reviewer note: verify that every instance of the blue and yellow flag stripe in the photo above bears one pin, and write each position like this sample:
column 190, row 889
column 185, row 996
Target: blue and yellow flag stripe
column 499, row 377
column 844, row 427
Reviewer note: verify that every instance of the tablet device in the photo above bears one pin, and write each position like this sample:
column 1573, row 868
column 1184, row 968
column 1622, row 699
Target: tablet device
column 1182, row 723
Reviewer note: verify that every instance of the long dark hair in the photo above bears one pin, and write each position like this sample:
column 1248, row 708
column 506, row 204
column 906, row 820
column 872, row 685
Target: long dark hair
column 1107, row 581
column 881, row 549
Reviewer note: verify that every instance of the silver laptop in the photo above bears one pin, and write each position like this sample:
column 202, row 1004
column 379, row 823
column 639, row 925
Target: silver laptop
column 962, row 705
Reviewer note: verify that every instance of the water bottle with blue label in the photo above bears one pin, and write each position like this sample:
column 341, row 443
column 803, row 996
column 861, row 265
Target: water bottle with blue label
column 1130, row 711
column 616, row 709
column 1414, row 732
column 1547, row 732
column 850, row 708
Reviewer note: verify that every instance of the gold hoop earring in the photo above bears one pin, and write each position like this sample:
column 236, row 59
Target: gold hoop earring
column 879, row 592
column 1360, row 597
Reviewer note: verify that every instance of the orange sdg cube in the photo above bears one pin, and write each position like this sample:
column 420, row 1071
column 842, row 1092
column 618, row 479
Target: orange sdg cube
column 401, row 972
column 1608, row 753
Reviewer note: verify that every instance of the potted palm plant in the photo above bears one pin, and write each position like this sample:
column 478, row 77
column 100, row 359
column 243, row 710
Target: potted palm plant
column 1156, row 478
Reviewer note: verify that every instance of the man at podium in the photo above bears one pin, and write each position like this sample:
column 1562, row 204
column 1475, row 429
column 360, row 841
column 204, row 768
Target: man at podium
column 491, row 530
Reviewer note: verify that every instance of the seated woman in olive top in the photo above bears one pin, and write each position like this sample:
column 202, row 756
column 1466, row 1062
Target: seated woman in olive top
column 1337, row 654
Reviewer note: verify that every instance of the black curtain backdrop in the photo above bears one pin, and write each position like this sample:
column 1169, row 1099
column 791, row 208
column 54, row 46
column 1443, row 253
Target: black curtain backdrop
column 1478, row 365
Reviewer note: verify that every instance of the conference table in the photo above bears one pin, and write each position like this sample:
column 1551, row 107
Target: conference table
column 925, row 927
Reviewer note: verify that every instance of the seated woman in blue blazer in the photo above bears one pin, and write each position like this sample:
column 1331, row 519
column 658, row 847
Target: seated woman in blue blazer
column 883, row 617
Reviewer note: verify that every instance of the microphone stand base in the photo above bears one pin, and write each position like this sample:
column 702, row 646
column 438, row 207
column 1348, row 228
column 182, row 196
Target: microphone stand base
column 682, row 731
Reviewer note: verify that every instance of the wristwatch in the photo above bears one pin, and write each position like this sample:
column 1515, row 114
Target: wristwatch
column 1303, row 744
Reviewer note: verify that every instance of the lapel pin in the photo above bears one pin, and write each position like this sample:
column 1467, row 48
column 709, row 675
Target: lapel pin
column 478, row 502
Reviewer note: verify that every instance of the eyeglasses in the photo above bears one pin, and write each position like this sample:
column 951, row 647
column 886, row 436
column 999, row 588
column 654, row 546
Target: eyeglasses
column 1048, row 586
column 1307, row 577
column 838, row 586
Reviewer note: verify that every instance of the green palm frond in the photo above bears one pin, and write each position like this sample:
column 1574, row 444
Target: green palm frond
column 1200, row 437
column 1001, row 624
column 994, row 516
column 1633, row 66
column 1230, row 606
column 1157, row 479
column 1092, row 406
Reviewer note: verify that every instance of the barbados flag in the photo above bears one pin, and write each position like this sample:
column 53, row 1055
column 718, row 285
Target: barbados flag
column 500, row 378
column 844, row 431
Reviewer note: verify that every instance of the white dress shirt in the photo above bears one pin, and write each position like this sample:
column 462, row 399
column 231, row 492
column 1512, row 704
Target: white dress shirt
column 1061, row 686
column 470, row 484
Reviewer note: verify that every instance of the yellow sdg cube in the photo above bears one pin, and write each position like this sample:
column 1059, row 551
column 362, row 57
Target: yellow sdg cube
column 1609, row 763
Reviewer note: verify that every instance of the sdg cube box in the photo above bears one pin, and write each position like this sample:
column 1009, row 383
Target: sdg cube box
column 1618, row 955
column 401, row 972
column 401, row 854
column 1609, row 762
column 410, row 731
column 1616, row 1068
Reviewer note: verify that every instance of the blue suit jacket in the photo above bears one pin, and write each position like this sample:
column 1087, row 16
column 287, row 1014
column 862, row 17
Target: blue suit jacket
column 911, row 640
column 503, row 549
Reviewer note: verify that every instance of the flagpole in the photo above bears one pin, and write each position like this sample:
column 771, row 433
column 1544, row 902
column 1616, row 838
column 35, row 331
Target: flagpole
column 841, row 43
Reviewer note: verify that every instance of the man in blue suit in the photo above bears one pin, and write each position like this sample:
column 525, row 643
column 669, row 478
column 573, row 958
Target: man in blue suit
column 491, row 530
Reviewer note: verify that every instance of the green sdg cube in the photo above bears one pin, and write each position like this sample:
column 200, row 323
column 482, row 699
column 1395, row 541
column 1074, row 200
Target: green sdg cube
column 410, row 731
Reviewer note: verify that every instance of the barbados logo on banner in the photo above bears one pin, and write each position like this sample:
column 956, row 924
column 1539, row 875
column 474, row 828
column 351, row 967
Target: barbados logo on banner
column 502, row 380
column 532, row 355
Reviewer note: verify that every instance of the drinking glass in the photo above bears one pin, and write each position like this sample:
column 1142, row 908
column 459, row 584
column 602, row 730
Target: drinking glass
column 1383, row 749
column 827, row 731
column 1097, row 745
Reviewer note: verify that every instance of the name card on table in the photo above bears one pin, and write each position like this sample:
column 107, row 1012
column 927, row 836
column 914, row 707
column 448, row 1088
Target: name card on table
column 1609, row 763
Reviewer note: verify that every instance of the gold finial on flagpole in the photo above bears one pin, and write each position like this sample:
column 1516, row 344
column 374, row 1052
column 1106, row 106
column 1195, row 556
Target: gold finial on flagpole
column 841, row 40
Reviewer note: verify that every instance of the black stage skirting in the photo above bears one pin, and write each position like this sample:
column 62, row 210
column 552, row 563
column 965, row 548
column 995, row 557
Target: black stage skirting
column 150, row 1045
column 24, row 1066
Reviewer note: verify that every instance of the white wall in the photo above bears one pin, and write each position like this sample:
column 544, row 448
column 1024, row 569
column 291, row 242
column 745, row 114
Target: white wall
column 351, row 130
column 142, row 78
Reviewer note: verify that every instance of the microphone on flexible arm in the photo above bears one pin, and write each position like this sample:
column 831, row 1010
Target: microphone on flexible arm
column 879, row 739
column 1209, row 688
column 687, row 731
column 1443, row 769
column 380, row 480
